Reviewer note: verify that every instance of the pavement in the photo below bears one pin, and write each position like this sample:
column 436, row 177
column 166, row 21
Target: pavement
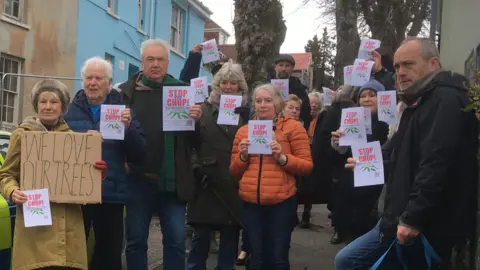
column 310, row 248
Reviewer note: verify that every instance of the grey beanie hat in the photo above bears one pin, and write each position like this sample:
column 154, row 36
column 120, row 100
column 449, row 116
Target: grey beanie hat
column 50, row 85
column 373, row 85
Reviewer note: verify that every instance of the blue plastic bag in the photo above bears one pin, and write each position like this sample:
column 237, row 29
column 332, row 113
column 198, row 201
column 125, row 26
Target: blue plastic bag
column 430, row 254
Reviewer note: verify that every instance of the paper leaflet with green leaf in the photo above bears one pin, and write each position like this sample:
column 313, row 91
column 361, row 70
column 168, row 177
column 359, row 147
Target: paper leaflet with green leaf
column 369, row 169
column 37, row 208
column 260, row 134
column 111, row 125
column 177, row 102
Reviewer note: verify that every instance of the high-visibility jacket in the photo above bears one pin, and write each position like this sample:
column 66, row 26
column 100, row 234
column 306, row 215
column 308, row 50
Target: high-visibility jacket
column 5, row 220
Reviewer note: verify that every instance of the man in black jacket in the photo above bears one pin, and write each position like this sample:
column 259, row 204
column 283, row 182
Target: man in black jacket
column 431, row 169
column 166, row 182
column 284, row 65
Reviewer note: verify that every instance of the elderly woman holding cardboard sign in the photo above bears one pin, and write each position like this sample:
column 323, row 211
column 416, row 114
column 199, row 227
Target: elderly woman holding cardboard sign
column 61, row 245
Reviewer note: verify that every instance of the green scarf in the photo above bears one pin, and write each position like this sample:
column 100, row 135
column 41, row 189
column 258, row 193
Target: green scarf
column 166, row 181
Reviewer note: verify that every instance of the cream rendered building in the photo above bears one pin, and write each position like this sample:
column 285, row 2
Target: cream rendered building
column 458, row 25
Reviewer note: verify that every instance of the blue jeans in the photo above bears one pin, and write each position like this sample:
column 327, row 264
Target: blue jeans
column 269, row 233
column 144, row 200
column 362, row 253
column 227, row 252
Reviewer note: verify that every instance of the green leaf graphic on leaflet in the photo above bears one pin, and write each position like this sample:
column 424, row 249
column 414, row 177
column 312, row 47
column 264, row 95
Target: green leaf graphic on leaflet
column 229, row 113
column 114, row 126
column 37, row 211
column 260, row 141
column 387, row 111
column 368, row 168
column 353, row 130
column 178, row 114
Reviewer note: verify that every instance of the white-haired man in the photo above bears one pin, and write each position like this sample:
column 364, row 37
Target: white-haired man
column 83, row 115
column 166, row 182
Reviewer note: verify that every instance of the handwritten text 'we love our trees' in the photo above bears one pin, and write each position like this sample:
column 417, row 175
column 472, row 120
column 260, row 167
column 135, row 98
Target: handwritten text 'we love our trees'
column 63, row 163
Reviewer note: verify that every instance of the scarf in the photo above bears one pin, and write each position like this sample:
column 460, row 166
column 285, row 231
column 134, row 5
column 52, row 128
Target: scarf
column 413, row 94
column 166, row 181
column 311, row 128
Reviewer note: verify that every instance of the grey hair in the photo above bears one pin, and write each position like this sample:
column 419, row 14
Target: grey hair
column 274, row 92
column 344, row 94
column 428, row 49
column 50, row 85
column 155, row 42
column 98, row 61
column 318, row 95
column 315, row 94
column 229, row 72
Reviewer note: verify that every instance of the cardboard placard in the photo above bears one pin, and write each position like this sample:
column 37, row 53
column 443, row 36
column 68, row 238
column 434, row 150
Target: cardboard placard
column 62, row 162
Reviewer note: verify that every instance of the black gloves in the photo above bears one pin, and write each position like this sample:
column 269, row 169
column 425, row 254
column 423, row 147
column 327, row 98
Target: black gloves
column 244, row 113
column 200, row 175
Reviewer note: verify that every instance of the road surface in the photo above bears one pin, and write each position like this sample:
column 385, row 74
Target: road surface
column 310, row 249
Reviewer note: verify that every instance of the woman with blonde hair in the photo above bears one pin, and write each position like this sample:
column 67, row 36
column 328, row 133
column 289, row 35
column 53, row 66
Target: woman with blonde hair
column 267, row 185
column 292, row 107
column 61, row 245
column 216, row 205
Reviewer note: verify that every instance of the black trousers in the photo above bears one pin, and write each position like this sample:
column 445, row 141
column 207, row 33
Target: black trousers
column 245, row 244
column 107, row 221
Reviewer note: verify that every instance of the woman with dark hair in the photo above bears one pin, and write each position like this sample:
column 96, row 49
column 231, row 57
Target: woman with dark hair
column 354, row 211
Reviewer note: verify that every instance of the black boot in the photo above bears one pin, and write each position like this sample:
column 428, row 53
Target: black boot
column 336, row 238
column 305, row 223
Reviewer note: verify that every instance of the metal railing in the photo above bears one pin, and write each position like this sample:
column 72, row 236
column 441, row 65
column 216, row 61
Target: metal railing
column 20, row 96
column 21, row 75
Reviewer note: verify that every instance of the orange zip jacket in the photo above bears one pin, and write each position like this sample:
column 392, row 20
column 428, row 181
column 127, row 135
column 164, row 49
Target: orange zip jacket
column 263, row 180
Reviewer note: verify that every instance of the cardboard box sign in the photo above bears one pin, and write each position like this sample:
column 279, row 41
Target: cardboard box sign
column 62, row 162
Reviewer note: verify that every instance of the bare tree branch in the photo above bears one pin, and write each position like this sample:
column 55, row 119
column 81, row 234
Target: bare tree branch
column 419, row 17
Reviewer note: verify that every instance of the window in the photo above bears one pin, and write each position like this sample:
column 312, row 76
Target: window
column 478, row 58
column 132, row 69
column 11, row 86
column 470, row 66
column 222, row 38
column 141, row 14
column 176, row 28
column 112, row 6
column 110, row 58
column 13, row 9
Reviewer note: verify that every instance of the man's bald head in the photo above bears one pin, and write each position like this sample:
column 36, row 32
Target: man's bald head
column 415, row 58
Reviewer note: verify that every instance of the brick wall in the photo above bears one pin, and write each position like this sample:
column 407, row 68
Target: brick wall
column 212, row 35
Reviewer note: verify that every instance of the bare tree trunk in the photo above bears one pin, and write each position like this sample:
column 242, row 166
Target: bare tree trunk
column 388, row 20
column 259, row 33
column 348, row 39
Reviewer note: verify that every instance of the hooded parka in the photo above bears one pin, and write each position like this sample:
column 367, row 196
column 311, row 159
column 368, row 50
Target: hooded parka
column 61, row 244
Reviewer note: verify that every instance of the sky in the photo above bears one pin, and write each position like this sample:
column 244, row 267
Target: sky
column 302, row 22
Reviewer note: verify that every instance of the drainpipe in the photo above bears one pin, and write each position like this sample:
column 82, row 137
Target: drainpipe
column 152, row 19
column 433, row 20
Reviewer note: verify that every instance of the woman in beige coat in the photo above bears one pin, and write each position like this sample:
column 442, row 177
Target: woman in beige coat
column 61, row 245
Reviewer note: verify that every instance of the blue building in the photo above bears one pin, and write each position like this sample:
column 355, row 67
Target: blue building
column 115, row 29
